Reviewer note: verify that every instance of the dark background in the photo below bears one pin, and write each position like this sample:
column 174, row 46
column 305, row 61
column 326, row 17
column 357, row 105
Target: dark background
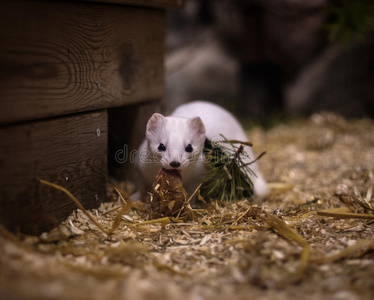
column 269, row 59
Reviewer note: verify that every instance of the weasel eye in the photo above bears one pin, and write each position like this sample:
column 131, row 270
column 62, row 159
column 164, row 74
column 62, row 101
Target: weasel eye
column 189, row 148
column 161, row 147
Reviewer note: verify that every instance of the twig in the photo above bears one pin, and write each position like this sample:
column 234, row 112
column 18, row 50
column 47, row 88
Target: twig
column 256, row 159
column 75, row 200
column 241, row 216
column 238, row 142
column 338, row 213
column 188, row 201
column 290, row 234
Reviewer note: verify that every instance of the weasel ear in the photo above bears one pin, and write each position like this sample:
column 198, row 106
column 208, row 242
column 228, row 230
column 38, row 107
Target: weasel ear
column 154, row 122
column 197, row 125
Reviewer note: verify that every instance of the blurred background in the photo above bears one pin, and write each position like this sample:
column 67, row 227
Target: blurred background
column 269, row 59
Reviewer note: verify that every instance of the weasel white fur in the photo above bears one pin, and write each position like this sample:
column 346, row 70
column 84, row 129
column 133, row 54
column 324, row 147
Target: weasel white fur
column 177, row 141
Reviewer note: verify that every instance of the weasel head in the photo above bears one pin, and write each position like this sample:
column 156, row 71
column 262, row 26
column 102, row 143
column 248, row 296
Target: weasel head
column 173, row 142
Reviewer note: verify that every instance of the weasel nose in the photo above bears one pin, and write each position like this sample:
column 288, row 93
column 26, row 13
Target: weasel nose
column 175, row 164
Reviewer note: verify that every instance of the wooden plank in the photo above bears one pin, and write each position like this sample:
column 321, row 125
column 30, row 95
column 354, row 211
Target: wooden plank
column 69, row 151
column 65, row 57
column 164, row 4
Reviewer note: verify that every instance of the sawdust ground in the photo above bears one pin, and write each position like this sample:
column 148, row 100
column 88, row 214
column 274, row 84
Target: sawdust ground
column 224, row 251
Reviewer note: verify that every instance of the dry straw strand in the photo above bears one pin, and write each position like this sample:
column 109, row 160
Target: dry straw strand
column 75, row 200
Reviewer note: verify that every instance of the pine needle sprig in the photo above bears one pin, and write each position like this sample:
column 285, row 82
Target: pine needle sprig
column 228, row 172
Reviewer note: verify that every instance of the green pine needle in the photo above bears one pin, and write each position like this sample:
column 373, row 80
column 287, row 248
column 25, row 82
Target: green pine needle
column 227, row 177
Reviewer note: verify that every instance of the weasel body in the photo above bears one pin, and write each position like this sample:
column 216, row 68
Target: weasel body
column 177, row 141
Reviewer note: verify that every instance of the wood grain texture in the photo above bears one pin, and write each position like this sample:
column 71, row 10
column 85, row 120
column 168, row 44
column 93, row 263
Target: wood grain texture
column 59, row 58
column 164, row 4
column 69, row 151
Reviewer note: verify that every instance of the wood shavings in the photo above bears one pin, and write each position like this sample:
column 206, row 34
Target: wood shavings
column 292, row 235
column 222, row 250
column 359, row 248
column 355, row 202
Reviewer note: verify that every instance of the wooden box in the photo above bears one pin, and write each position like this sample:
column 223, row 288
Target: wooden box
column 63, row 64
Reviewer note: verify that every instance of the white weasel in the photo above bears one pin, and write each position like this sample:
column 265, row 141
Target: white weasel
column 177, row 141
